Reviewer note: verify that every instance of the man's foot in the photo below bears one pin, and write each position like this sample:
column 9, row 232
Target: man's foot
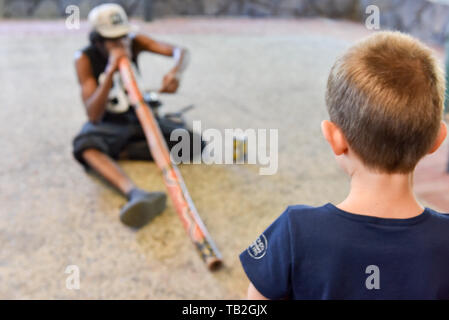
column 142, row 207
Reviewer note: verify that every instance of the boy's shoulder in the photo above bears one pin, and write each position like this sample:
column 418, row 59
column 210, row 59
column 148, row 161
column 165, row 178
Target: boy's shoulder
column 302, row 211
column 305, row 209
column 329, row 214
column 305, row 215
column 442, row 216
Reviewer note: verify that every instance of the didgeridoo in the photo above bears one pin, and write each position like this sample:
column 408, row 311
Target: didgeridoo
column 176, row 187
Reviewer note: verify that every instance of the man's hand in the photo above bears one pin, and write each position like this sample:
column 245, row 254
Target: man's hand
column 170, row 83
column 114, row 58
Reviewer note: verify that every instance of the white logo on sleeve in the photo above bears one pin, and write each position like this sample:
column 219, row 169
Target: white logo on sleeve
column 258, row 248
column 373, row 280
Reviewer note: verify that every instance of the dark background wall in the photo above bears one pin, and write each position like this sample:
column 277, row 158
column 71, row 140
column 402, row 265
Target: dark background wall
column 423, row 18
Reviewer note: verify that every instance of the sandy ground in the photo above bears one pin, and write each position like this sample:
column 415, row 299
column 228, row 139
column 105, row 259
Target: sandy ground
column 243, row 73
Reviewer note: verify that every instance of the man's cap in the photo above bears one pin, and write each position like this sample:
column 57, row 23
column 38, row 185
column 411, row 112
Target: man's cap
column 110, row 20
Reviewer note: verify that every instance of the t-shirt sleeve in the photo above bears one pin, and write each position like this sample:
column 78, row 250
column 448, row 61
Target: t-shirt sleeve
column 267, row 261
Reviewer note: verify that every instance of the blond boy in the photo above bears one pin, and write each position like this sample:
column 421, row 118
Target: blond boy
column 385, row 100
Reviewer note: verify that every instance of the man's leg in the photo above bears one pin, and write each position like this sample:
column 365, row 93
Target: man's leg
column 142, row 206
column 95, row 147
column 108, row 169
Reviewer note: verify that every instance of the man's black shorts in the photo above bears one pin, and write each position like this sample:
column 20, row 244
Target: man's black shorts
column 113, row 138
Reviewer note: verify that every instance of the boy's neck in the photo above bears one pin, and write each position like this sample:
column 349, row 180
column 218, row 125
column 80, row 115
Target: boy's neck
column 382, row 195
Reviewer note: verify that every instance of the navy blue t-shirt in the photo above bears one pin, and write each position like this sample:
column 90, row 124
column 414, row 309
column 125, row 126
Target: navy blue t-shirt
column 327, row 253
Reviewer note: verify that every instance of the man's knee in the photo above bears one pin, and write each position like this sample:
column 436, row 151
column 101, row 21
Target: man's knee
column 90, row 154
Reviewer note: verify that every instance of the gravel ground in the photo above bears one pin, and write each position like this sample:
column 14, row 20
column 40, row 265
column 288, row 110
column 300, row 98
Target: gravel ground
column 243, row 73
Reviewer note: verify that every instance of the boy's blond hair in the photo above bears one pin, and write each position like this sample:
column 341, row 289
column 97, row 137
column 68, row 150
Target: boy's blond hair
column 386, row 94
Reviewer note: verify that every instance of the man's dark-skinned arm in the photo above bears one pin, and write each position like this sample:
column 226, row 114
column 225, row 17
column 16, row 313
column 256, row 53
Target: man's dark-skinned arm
column 95, row 96
column 170, row 82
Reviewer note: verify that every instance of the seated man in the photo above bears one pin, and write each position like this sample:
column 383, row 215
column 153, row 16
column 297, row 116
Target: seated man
column 113, row 130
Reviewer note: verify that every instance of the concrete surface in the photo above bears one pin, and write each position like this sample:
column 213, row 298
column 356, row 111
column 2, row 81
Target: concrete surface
column 244, row 73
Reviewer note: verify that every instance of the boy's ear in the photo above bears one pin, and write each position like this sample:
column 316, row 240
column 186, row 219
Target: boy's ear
column 334, row 137
column 440, row 138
